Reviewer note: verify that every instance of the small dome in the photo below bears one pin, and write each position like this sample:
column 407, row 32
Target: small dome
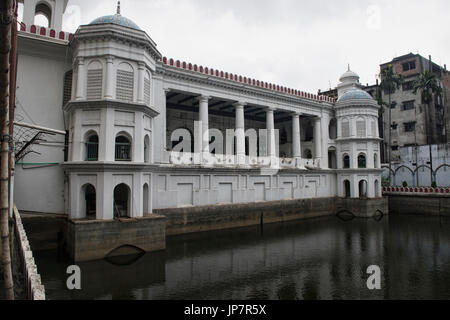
column 116, row 19
column 349, row 76
column 355, row 94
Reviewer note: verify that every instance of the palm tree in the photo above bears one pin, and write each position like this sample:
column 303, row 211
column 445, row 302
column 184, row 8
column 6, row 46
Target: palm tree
column 390, row 81
column 428, row 84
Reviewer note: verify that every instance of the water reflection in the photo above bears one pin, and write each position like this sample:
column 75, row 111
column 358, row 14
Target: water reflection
column 313, row 259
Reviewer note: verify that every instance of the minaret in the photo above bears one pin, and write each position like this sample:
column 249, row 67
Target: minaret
column 118, row 8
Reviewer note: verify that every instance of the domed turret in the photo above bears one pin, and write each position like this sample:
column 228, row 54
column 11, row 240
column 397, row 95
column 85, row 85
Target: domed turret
column 116, row 19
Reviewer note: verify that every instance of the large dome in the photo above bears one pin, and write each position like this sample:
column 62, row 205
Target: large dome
column 116, row 19
column 355, row 94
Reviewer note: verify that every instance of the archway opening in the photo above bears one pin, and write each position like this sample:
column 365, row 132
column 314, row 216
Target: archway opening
column 347, row 190
column 332, row 161
column 90, row 201
column 123, row 148
column 377, row 189
column 147, row 149
column 332, row 129
column 145, row 197
column 362, row 186
column 121, row 201
column 43, row 15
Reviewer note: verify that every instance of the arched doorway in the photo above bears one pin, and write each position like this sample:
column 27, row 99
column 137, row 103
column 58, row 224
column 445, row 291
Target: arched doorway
column 43, row 15
column 377, row 189
column 145, row 197
column 89, row 201
column 362, row 187
column 347, row 190
column 122, row 201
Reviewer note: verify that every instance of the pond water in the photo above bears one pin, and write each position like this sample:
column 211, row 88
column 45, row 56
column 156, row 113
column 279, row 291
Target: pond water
column 324, row 258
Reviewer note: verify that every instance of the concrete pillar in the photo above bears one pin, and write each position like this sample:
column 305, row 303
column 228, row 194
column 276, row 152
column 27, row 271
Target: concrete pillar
column 296, row 147
column 325, row 123
column 270, row 126
column 81, row 85
column 109, row 78
column 107, row 139
column 317, row 138
column 141, row 73
column 204, row 119
column 77, row 139
column 105, row 196
column 138, row 140
column 240, row 133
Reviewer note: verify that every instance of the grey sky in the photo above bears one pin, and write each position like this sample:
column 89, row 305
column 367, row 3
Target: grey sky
column 298, row 44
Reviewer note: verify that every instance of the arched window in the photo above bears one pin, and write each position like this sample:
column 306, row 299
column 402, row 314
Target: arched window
column 89, row 201
column 362, row 161
column 123, row 148
column 332, row 129
column 147, row 149
column 362, row 185
column 92, row 147
column 308, row 154
column 346, row 160
column 94, row 81
column 347, row 190
column 125, row 82
column 122, row 201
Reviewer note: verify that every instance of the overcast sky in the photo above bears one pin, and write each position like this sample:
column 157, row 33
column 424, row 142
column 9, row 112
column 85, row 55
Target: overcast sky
column 305, row 45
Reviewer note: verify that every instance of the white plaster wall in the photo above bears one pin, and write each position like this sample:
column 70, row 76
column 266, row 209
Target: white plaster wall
column 39, row 100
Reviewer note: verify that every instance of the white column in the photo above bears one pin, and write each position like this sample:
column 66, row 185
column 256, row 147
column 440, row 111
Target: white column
column 109, row 81
column 141, row 70
column 270, row 126
column 240, row 133
column 325, row 123
column 77, row 139
column 317, row 139
column 81, row 86
column 296, row 147
column 204, row 120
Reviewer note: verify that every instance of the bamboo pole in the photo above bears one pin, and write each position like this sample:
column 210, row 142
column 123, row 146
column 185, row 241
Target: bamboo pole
column 6, row 18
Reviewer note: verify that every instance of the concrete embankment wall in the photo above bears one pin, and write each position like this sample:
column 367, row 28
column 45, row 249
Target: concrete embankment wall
column 27, row 284
column 421, row 204
column 217, row 217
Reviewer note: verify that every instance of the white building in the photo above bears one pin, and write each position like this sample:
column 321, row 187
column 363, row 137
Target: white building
column 121, row 103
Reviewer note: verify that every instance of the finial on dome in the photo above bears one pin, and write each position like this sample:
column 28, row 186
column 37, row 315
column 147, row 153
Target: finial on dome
column 118, row 8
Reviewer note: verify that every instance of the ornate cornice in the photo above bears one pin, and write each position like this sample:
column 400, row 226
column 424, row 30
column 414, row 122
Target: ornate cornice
column 99, row 104
column 168, row 72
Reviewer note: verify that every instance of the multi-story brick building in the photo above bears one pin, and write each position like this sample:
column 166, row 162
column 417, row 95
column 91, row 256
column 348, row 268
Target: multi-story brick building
column 410, row 126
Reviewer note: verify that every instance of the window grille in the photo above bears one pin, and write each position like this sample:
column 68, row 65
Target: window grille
column 94, row 84
column 345, row 129
column 124, row 85
column 147, row 91
column 361, row 128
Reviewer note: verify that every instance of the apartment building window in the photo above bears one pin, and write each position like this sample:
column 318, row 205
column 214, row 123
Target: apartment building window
column 410, row 65
column 410, row 126
column 394, row 148
column 408, row 86
column 408, row 105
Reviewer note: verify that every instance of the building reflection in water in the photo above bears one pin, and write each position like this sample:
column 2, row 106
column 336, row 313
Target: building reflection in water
column 313, row 259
